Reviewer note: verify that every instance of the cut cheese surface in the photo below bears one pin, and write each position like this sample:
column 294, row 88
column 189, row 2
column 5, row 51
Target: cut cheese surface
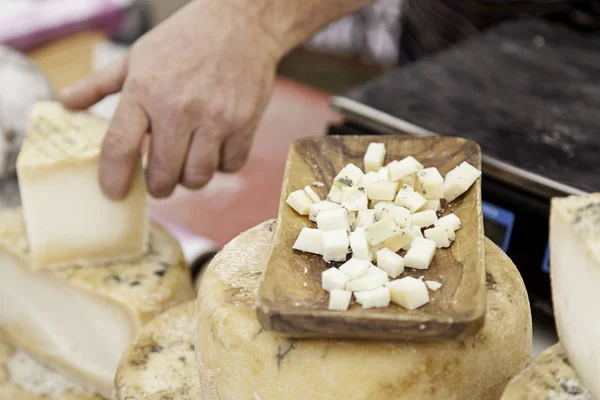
column 69, row 220
column 575, row 273
column 79, row 320
column 160, row 363
column 238, row 359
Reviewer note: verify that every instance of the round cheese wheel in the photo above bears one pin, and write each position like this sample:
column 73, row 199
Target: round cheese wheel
column 160, row 363
column 238, row 359
column 548, row 376
column 22, row 377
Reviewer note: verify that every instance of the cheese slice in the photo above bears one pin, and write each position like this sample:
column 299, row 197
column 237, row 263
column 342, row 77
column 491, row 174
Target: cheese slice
column 79, row 320
column 575, row 272
column 68, row 218
column 160, row 363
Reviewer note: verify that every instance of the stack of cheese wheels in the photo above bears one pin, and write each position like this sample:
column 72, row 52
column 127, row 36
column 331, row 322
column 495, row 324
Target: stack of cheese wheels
column 238, row 359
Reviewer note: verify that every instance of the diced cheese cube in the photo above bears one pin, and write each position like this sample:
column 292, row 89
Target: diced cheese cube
column 433, row 285
column 312, row 194
column 451, row 223
column 376, row 298
column 424, row 218
column 381, row 231
column 369, row 281
column 354, row 198
column 408, row 292
column 310, row 240
column 420, row 254
column 335, row 194
column 434, row 205
column 333, row 278
column 416, row 231
column 403, row 168
column 369, row 178
column 459, row 180
column 439, row 235
column 390, row 262
column 374, row 156
column 410, row 199
column 359, row 244
column 384, row 173
column 333, row 219
column 430, row 183
column 339, row 300
column 382, row 190
column 300, row 202
column 355, row 268
column 350, row 175
column 365, row 218
column 409, row 180
column 399, row 240
column 400, row 215
column 318, row 207
column 335, row 245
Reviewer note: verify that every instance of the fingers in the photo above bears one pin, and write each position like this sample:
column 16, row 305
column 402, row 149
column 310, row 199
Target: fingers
column 202, row 159
column 121, row 147
column 98, row 85
column 235, row 151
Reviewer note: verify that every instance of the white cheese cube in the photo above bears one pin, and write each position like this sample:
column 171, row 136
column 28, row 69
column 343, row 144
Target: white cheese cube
column 355, row 268
column 410, row 199
column 376, row 298
column 339, row 300
column 424, row 218
column 354, row 198
column 420, row 254
column 300, row 202
column 335, row 195
column 416, row 231
column 382, row 190
column 430, row 183
column 350, row 175
column 439, row 235
column 335, row 245
column 318, row 207
column 406, row 166
column 371, row 280
column 68, row 218
column 459, row 180
column 365, row 218
column 374, row 156
column 333, row 219
column 390, row 262
column 408, row 292
column 433, row 285
column 434, row 205
column 309, row 240
column 399, row 240
column 409, row 180
column 333, row 278
column 359, row 244
column 381, row 231
column 400, row 215
column 384, row 173
column 451, row 223
column 312, row 194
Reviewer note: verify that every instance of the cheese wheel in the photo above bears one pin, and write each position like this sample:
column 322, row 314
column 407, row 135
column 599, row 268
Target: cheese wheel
column 239, row 360
column 549, row 376
column 160, row 363
column 80, row 320
column 22, row 377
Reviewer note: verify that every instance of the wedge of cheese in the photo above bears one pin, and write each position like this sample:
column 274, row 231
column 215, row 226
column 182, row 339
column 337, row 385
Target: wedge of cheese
column 575, row 272
column 160, row 363
column 80, row 320
column 68, row 218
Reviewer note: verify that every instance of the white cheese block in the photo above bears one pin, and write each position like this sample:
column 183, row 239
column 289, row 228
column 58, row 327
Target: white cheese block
column 318, row 207
column 335, row 194
column 371, row 280
column 79, row 320
column 424, row 219
column 350, row 175
column 405, row 167
column 333, row 219
column 160, row 363
column 359, row 244
column 390, row 262
column 433, row 285
column 365, row 218
column 376, row 298
column 575, row 273
column 374, row 156
column 409, row 292
column 382, row 190
column 333, row 278
column 459, row 180
column 400, row 215
column 69, row 220
column 381, row 231
column 401, row 239
column 409, row 199
column 300, row 201
column 312, row 194
column 354, row 198
column 439, row 235
column 355, row 267
column 430, row 183
column 339, row 300
column 421, row 254
column 309, row 240
column 335, row 245
column 434, row 205
column 369, row 178
column 239, row 360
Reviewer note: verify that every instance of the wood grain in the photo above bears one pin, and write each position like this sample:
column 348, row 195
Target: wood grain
column 291, row 299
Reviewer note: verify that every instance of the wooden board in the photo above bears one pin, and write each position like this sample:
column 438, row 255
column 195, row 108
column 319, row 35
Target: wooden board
column 291, row 299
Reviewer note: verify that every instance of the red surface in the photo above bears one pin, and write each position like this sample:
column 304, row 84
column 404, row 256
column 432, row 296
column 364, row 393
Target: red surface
column 232, row 203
